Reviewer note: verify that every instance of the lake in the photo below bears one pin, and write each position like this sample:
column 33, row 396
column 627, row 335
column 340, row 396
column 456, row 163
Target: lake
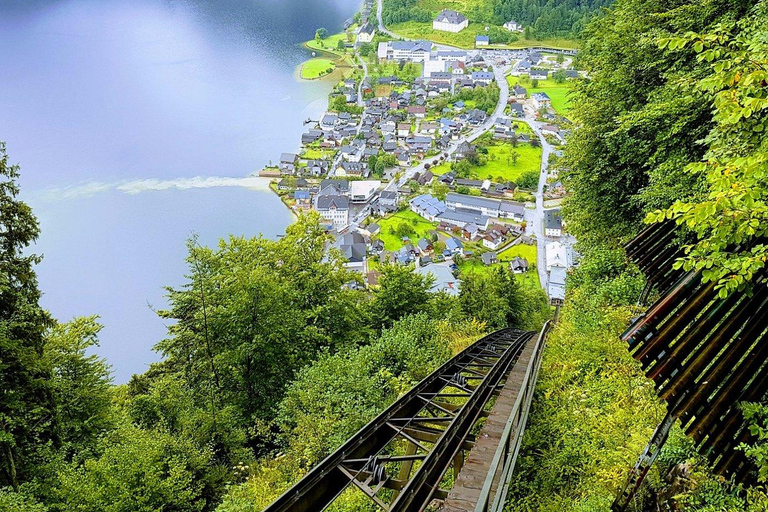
column 137, row 123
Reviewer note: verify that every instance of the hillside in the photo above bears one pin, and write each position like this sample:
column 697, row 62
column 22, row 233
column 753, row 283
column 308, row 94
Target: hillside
column 551, row 21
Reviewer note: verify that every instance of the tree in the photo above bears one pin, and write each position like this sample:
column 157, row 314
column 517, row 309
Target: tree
column 535, row 83
column 26, row 413
column 365, row 49
column 440, row 190
column 138, row 470
column 401, row 292
column 559, row 76
column 731, row 220
column 321, row 34
column 81, row 385
column 560, row 58
column 340, row 45
column 380, row 167
column 251, row 314
column 372, row 161
column 529, row 180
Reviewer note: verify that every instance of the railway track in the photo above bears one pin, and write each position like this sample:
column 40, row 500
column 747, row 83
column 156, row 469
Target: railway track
column 410, row 454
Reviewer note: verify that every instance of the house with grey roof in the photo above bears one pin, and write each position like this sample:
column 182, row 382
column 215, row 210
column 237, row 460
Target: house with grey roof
column 443, row 279
column 333, row 208
column 450, row 21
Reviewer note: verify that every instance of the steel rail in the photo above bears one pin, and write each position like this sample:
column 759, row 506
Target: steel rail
column 504, row 459
column 418, row 419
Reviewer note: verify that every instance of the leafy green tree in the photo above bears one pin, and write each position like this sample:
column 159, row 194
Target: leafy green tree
column 321, row 34
column 559, row 76
column 380, row 167
column 401, row 292
column 731, row 220
column 253, row 312
column 340, row 45
column 26, row 405
column 529, row 180
column 81, row 385
column 440, row 190
column 365, row 49
column 139, row 471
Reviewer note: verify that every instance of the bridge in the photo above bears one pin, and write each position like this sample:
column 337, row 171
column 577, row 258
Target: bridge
column 450, row 443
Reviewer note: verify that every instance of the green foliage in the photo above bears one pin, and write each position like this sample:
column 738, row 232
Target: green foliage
column 138, row 471
column 593, row 413
column 334, row 397
column 22, row 501
column 497, row 299
column 546, row 18
column 321, row 33
column 485, row 98
column 401, row 292
column 253, row 312
column 81, row 384
column 26, row 403
column 529, row 180
column 731, row 220
column 365, row 49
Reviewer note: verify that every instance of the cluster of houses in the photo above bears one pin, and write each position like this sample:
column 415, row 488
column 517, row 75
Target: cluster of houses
column 471, row 216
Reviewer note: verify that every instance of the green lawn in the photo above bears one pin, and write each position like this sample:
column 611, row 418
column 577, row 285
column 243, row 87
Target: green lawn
column 327, row 45
column 500, row 166
column 420, row 228
column 466, row 38
column 558, row 93
column 529, row 279
column 439, row 170
column 318, row 154
column 524, row 251
column 315, row 68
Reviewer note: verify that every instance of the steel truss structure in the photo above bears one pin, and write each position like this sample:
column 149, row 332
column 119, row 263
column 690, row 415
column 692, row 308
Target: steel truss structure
column 401, row 459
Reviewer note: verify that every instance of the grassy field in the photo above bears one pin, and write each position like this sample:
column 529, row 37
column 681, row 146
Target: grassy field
column 316, row 68
column 524, row 251
column 420, row 228
column 439, row 170
column 327, row 45
column 500, row 167
column 529, row 279
column 466, row 38
column 558, row 93
column 318, row 154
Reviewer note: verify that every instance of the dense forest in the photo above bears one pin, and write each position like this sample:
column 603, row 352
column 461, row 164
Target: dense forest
column 542, row 18
column 271, row 350
column 670, row 125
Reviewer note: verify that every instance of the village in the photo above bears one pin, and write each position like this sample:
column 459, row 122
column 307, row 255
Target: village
column 439, row 158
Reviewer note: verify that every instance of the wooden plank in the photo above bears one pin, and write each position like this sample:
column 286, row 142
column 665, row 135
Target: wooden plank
column 466, row 490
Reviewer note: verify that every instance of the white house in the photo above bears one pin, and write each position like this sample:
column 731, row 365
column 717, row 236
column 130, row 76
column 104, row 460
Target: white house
column 482, row 41
column 540, row 100
column 444, row 281
column 363, row 191
column 334, row 208
column 366, row 33
column 553, row 223
column 513, row 26
column 556, row 255
column 450, row 21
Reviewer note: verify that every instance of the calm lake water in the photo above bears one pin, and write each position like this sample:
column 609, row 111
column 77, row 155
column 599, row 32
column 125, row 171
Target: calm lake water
column 135, row 123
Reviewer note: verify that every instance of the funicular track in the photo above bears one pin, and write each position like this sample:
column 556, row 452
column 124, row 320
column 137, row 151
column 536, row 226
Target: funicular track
column 401, row 459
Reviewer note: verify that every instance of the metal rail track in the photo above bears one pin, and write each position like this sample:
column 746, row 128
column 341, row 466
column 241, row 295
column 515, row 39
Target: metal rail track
column 401, row 457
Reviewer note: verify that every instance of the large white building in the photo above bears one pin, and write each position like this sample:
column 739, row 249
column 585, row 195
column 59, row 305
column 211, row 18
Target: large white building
column 334, row 209
column 556, row 255
column 414, row 51
column 363, row 191
column 450, row 21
